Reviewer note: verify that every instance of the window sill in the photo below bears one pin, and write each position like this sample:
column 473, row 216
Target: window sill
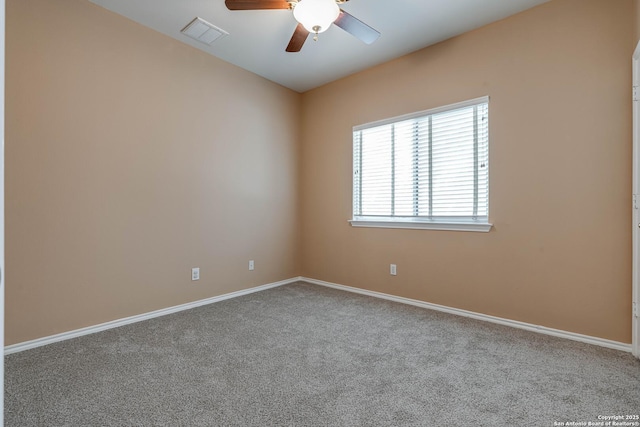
column 483, row 227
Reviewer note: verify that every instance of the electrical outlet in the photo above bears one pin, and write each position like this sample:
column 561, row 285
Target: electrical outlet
column 250, row 265
column 392, row 269
column 195, row 273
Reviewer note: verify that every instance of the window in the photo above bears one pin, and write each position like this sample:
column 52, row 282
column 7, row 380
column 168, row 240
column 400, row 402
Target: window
column 424, row 170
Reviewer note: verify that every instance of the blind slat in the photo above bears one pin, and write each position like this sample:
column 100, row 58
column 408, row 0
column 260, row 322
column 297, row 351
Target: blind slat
column 428, row 167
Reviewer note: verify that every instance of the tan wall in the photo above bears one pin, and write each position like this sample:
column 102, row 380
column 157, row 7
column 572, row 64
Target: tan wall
column 560, row 172
column 129, row 162
column 130, row 158
column 636, row 22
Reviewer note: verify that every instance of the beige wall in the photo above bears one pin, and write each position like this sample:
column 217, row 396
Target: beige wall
column 130, row 158
column 560, row 172
column 129, row 162
column 636, row 22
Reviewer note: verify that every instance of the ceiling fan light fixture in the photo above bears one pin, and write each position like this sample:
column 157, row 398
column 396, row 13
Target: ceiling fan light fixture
column 316, row 15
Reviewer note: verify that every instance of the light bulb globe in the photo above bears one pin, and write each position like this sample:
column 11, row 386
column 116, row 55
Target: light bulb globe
column 316, row 15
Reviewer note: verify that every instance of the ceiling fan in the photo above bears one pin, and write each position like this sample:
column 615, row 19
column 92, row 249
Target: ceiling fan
column 313, row 16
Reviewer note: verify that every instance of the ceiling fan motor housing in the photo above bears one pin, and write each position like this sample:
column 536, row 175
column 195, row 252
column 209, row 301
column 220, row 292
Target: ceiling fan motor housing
column 313, row 16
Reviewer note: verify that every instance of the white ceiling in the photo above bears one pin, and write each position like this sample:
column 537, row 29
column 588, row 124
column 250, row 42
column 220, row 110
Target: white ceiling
column 257, row 39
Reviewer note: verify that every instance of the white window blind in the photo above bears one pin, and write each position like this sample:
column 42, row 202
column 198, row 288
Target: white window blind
column 429, row 167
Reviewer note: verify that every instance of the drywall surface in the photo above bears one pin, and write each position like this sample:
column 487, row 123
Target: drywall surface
column 636, row 26
column 130, row 159
column 559, row 255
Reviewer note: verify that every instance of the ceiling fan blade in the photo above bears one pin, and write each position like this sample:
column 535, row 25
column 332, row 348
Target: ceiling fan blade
column 256, row 4
column 356, row 27
column 297, row 40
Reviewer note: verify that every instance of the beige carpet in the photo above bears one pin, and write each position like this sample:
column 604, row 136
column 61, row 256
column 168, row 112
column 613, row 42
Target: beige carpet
column 304, row 355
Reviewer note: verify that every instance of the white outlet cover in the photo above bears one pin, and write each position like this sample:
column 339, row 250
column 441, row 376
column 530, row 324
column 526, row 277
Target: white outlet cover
column 195, row 273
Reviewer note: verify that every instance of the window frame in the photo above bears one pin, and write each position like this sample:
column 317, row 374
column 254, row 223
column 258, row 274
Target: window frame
column 411, row 222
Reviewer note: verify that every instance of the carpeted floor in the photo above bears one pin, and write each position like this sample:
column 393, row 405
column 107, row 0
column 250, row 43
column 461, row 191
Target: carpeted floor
column 304, row 355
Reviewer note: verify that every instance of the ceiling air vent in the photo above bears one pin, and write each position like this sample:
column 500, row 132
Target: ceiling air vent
column 202, row 31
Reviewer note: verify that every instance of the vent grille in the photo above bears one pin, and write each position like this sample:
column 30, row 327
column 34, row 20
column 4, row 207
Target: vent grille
column 203, row 31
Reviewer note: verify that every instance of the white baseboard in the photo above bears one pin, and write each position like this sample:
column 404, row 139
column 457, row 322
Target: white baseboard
column 479, row 316
column 15, row 348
